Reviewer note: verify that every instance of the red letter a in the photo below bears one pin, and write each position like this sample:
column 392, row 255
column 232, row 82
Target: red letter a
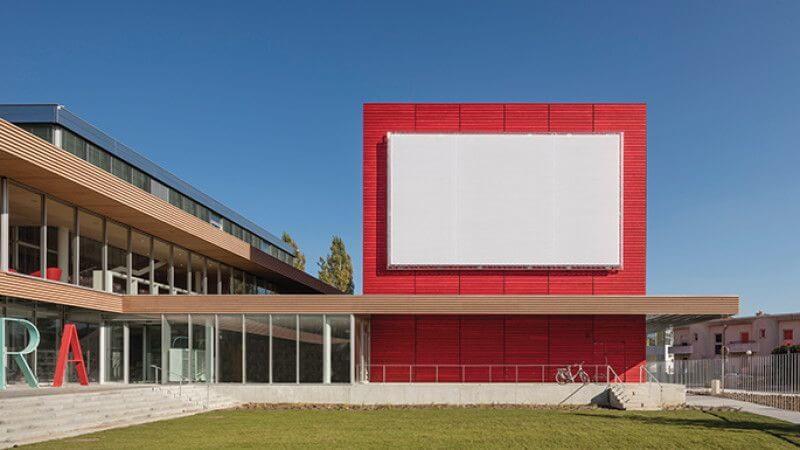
column 69, row 339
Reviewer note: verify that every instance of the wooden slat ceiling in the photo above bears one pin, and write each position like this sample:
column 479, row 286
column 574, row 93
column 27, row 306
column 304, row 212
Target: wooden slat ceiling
column 36, row 163
column 21, row 286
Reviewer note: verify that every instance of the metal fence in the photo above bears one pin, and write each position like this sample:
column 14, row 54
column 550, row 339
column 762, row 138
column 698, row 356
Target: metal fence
column 482, row 373
column 769, row 374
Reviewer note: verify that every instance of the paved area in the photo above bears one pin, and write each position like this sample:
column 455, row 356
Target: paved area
column 716, row 402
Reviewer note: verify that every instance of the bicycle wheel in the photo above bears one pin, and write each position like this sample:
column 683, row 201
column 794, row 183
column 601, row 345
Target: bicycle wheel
column 584, row 377
column 561, row 378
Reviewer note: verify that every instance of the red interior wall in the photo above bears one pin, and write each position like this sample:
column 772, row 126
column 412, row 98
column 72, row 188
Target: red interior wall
column 380, row 119
column 430, row 348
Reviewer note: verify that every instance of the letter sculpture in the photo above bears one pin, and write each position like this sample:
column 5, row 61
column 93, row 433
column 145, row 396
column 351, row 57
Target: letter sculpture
column 69, row 340
column 33, row 342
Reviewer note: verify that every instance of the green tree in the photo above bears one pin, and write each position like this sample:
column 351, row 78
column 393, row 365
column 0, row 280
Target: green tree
column 337, row 268
column 299, row 258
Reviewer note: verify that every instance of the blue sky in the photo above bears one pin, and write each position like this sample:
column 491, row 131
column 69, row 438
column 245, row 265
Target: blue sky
column 259, row 105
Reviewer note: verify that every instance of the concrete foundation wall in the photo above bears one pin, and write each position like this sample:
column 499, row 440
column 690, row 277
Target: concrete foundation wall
column 440, row 394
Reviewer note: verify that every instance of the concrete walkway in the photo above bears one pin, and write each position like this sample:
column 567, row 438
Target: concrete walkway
column 768, row 411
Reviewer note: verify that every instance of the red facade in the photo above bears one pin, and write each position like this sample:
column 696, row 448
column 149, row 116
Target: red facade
column 461, row 340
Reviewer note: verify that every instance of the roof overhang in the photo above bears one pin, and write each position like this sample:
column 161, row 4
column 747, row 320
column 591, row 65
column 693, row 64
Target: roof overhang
column 663, row 306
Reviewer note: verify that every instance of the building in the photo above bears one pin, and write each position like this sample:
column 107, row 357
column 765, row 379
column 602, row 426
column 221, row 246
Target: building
column 501, row 242
column 752, row 335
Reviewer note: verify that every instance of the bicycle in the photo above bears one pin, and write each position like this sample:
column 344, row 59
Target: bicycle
column 564, row 375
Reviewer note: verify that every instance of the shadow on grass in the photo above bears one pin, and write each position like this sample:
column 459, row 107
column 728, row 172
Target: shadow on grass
column 786, row 432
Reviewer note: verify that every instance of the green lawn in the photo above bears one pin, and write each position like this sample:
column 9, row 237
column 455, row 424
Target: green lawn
column 448, row 428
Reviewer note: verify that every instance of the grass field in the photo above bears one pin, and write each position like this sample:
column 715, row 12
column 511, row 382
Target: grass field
column 448, row 428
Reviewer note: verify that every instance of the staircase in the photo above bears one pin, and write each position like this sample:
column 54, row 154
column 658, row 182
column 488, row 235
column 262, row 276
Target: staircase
column 634, row 397
column 34, row 418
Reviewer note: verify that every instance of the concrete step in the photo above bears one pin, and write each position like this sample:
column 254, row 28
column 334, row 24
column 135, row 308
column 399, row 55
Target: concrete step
column 108, row 403
column 41, row 434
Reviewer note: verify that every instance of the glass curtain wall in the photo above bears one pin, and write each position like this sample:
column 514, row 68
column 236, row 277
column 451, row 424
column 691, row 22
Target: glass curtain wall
column 257, row 347
column 17, row 337
column 196, row 266
column 87, row 324
column 140, row 274
column 117, row 275
column 115, row 352
column 90, row 229
column 212, row 277
column 284, row 348
column 161, row 257
column 310, row 349
column 202, row 348
column 338, row 334
column 60, row 239
column 229, row 356
column 49, row 323
column 180, row 261
column 144, row 349
column 225, row 278
column 25, row 220
column 177, row 358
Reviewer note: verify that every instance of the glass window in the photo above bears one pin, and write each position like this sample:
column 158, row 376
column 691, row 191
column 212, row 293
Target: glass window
column 180, row 261
column 202, row 348
column 144, row 349
column 284, row 348
column 117, row 258
column 49, row 324
column 159, row 190
column 213, row 277
column 72, row 143
column 202, row 212
column 98, row 157
column 215, row 219
column 196, row 263
column 121, row 169
column 249, row 283
column 114, row 352
column 91, row 250
column 140, row 249
column 257, row 346
column 230, row 348
column 42, row 131
column 237, row 282
column 262, row 287
column 177, row 364
column 225, row 275
column 60, row 234
column 310, row 349
column 340, row 347
column 25, row 218
column 175, row 198
column 161, row 267
column 140, row 179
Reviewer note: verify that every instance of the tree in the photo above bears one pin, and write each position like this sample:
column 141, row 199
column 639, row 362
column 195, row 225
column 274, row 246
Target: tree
column 299, row 261
column 337, row 268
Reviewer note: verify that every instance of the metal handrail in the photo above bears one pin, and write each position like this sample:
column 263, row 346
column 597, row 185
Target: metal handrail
column 460, row 372
column 643, row 368
column 181, row 379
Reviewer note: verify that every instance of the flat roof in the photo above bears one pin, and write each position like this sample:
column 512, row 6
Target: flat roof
column 58, row 114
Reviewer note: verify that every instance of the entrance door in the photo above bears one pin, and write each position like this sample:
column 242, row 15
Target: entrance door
column 144, row 351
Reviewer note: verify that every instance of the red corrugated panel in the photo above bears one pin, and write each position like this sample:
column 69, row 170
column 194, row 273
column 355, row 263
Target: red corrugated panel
column 378, row 120
column 527, row 117
column 632, row 121
column 525, row 282
column 437, row 282
column 437, row 347
column 438, row 117
column 475, row 282
column 526, row 343
column 481, row 346
column 571, row 340
column 391, row 347
column 482, row 117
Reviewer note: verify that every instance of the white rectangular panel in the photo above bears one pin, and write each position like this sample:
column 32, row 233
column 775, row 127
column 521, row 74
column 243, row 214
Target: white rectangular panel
column 516, row 200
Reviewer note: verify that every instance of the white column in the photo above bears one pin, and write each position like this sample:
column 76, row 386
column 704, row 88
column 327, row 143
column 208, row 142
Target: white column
column 63, row 252
column 352, row 348
column 103, row 351
column 43, row 237
column 4, row 224
column 326, row 350
column 126, row 352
